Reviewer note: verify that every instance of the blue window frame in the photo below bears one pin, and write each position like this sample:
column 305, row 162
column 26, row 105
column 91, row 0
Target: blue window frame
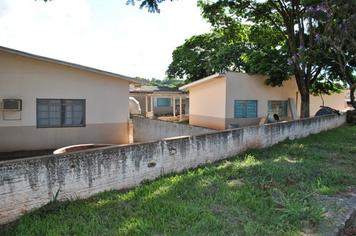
column 163, row 102
column 278, row 107
column 245, row 109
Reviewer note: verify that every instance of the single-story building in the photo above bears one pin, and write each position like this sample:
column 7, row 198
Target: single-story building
column 233, row 99
column 47, row 103
column 160, row 100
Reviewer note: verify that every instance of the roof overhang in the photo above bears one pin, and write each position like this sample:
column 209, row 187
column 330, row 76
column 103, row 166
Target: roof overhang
column 69, row 64
column 206, row 79
column 157, row 93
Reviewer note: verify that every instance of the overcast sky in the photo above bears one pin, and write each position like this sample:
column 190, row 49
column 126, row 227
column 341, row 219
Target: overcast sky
column 105, row 34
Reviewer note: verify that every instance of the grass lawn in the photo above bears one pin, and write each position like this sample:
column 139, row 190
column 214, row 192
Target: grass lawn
column 261, row 192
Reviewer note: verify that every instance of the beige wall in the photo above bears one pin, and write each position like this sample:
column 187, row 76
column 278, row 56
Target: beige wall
column 336, row 101
column 212, row 102
column 28, row 79
column 32, row 138
column 242, row 86
column 206, row 104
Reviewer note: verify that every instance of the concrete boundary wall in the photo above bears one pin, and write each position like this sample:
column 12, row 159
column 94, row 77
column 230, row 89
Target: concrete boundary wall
column 26, row 184
column 147, row 130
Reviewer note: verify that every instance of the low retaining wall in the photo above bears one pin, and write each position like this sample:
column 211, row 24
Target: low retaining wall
column 30, row 183
column 147, row 130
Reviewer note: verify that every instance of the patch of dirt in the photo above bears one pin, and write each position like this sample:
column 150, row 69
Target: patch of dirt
column 176, row 119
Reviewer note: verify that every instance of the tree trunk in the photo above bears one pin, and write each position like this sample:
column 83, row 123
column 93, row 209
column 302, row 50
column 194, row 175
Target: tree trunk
column 352, row 95
column 305, row 105
column 303, row 88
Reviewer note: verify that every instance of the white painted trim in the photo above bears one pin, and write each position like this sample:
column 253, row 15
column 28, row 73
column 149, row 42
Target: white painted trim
column 211, row 77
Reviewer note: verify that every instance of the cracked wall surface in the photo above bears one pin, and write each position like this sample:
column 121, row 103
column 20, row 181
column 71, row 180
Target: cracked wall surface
column 29, row 183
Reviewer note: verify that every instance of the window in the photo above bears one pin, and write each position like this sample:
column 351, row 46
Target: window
column 163, row 102
column 60, row 113
column 245, row 109
column 278, row 107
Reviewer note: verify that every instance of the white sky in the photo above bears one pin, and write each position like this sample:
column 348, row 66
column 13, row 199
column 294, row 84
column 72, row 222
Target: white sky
column 105, row 34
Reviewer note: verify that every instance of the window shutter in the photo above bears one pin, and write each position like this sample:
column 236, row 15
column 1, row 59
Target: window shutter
column 239, row 109
column 251, row 109
column 245, row 109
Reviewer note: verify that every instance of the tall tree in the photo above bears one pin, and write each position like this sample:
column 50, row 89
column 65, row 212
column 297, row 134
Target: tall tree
column 337, row 35
column 289, row 19
column 203, row 55
column 268, row 55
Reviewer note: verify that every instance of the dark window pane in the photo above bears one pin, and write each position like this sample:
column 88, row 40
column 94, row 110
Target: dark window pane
column 163, row 102
column 59, row 113
column 74, row 110
column 48, row 112
column 42, row 122
column 278, row 107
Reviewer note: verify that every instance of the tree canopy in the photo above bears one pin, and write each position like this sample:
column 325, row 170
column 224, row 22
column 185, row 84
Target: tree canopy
column 337, row 38
column 290, row 20
column 314, row 40
column 244, row 48
column 150, row 5
column 209, row 53
column 269, row 44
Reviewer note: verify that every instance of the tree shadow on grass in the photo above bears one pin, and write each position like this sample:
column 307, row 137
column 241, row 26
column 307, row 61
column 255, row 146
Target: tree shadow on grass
column 261, row 192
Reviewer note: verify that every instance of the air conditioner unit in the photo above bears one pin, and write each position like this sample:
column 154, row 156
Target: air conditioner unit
column 12, row 104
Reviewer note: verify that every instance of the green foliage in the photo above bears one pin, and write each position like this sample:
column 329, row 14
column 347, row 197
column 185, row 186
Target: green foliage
column 210, row 53
column 271, row 62
column 288, row 41
column 327, row 86
column 269, row 55
column 191, row 60
column 55, row 196
column 252, row 49
column 171, row 83
column 337, row 38
column 150, row 5
column 261, row 192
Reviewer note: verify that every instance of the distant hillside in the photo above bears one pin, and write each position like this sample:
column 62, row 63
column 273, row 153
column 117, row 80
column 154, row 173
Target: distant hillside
column 172, row 83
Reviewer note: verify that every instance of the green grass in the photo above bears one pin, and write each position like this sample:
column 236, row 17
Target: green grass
column 261, row 192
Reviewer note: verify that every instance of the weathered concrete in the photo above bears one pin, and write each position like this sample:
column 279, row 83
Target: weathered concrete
column 29, row 183
column 146, row 130
column 340, row 215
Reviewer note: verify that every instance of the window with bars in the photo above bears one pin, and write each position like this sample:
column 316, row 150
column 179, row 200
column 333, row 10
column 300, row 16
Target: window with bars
column 278, row 107
column 245, row 109
column 53, row 113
